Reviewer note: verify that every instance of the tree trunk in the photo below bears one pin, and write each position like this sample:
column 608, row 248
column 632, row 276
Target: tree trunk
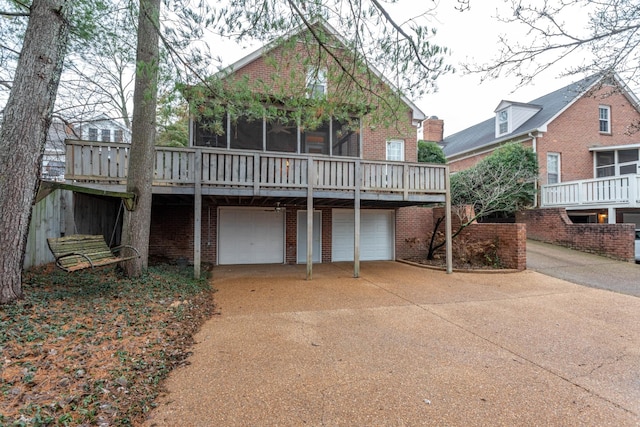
column 141, row 159
column 27, row 117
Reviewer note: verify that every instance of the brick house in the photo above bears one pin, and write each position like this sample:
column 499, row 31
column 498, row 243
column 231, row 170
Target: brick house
column 268, row 187
column 583, row 136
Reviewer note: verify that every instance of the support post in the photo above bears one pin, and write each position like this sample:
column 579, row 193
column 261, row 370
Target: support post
column 448, row 249
column 356, row 222
column 611, row 215
column 310, row 178
column 197, row 214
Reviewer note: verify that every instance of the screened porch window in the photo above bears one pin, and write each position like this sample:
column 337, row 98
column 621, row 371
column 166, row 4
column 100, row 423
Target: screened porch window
column 316, row 141
column 617, row 162
column 281, row 134
column 247, row 133
column 345, row 138
column 210, row 135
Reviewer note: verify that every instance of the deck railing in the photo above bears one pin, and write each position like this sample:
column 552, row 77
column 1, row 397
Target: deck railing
column 108, row 162
column 619, row 190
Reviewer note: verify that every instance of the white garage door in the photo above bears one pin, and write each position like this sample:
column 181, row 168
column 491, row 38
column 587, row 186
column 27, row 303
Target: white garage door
column 250, row 236
column 376, row 235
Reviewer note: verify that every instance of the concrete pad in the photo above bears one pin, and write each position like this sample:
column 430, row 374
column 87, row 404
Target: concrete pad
column 406, row 346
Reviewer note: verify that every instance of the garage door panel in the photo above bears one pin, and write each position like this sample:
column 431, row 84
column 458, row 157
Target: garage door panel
column 250, row 236
column 376, row 235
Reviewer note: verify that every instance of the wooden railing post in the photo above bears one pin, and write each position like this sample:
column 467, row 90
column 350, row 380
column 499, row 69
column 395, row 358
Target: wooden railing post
column 406, row 181
column 257, row 174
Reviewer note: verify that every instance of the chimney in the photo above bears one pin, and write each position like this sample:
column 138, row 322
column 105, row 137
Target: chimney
column 433, row 129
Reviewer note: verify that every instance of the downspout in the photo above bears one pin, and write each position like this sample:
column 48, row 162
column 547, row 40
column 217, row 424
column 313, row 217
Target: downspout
column 534, row 144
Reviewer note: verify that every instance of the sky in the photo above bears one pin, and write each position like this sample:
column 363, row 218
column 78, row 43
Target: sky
column 463, row 100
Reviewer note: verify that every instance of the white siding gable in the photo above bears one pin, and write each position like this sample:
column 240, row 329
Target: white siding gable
column 517, row 114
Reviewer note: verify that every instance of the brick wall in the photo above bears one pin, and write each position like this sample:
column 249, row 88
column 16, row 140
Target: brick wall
column 554, row 226
column 374, row 139
column 413, row 226
column 171, row 235
column 510, row 239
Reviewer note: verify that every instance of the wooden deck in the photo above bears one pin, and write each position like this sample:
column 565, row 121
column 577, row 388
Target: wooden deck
column 249, row 173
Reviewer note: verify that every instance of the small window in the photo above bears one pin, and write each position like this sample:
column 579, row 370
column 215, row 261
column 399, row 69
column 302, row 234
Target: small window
column 553, row 168
column 503, row 122
column 105, row 135
column 317, row 83
column 93, row 134
column 605, row 119
column 395, row 150
column 118, row 135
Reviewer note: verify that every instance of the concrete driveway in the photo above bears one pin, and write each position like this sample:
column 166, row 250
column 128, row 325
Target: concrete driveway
column 406, row 346
column 584, row 269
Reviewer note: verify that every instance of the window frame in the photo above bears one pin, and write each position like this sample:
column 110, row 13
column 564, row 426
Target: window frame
column 558, row 170
column 503, row 121
column 105, row 135
column 389, row 144
column 316, row 83
column 604, row 120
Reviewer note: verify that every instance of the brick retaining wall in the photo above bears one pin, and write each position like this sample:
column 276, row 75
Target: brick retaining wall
column 509, row 239
column 554, row 226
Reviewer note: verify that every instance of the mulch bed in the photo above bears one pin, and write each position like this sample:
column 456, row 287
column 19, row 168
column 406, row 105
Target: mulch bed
column 92, row 347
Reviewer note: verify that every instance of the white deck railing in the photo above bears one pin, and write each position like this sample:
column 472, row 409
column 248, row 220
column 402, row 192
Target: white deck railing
column 619, row 191
column 108, row 162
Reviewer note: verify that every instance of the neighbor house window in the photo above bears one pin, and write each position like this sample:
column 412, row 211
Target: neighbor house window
column 118, row 135
column 628, row 161
column 605, row 164
column 106, row 135
column 503, row 122
column 93, row 134
column 317, row 83
column 617, row 162
column 395, row 150
column 553, row 168
column 605, row 119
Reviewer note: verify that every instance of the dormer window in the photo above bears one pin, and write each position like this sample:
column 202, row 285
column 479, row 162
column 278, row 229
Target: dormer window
column 317, row 83
column 503, row 122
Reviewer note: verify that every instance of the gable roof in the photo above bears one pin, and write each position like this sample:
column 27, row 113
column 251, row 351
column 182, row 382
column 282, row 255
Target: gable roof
column 417, row 114
column 551, row 106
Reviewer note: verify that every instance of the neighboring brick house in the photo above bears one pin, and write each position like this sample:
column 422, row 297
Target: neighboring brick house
column 254, row 187
column 586, row 148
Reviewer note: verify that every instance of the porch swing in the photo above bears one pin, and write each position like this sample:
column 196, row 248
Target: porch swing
column 82, row 251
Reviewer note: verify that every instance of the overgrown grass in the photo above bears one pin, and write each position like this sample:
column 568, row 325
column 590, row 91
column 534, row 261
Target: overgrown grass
column 92, row 347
